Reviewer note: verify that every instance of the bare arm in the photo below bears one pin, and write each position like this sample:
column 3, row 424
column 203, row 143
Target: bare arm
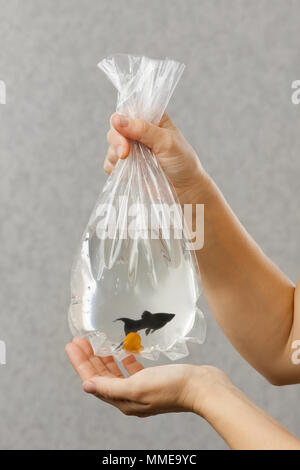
column 255, row 304
column 241, row 423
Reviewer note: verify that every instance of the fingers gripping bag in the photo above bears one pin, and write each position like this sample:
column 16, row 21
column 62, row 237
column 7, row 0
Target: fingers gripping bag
column 134, row 283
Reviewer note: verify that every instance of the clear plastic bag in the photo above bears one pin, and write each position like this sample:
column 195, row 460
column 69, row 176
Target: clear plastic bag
column 134, row 284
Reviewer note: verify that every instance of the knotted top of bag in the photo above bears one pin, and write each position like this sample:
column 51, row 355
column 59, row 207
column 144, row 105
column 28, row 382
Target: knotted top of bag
column 144, row 85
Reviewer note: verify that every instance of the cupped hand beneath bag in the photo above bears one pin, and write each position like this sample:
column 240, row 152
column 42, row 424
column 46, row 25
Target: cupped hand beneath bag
column 146, row 392
column 175, row 155
column 204, row 390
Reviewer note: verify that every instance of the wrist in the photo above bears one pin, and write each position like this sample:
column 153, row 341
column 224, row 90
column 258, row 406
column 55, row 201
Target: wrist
column 200, row 190
column 209, row 387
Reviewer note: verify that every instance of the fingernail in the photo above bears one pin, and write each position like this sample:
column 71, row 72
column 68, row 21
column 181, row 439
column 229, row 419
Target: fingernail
column 123, row 121
column 120, row 151
column 89, row 387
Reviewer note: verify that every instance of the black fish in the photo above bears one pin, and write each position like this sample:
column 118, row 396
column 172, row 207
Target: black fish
column 149, row 322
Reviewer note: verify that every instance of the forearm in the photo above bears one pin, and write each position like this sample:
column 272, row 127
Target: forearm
column 249, row 296
column 241, row 423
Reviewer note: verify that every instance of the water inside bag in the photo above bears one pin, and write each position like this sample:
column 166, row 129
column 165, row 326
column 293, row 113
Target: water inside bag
column 122, row 283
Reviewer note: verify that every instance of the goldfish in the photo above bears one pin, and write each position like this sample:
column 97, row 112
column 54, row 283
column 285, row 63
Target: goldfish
column 132, row 343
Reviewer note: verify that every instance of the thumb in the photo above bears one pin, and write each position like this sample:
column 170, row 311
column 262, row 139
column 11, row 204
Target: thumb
column 139, row 130
column 109, row 388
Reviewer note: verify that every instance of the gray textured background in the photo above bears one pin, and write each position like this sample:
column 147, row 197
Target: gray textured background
column 233, row 103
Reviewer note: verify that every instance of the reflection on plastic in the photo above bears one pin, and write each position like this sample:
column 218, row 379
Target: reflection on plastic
column 132, row 278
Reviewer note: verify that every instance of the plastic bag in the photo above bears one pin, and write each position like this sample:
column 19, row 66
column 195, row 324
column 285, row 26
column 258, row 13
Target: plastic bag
column 134, row 284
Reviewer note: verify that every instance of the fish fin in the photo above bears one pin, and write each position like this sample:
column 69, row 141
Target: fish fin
column 146, row 314
column 120, row 346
